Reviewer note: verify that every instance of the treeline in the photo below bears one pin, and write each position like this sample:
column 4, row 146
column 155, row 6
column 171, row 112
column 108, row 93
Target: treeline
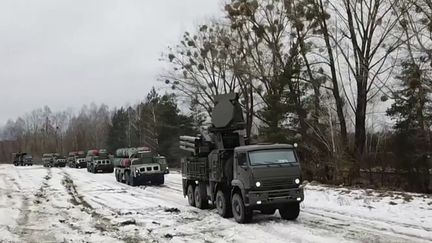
column 322, row 74
column 155, row 122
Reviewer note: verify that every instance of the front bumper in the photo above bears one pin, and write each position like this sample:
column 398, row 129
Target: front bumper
column 104, row 168
column 82, row 164
column 146, row 177
column 256, row 198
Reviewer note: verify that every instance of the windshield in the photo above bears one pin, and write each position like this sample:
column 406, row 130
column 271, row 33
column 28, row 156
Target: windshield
column 273, row 156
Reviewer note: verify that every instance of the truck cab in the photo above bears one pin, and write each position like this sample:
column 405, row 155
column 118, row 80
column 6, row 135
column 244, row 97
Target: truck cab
column 268, row 176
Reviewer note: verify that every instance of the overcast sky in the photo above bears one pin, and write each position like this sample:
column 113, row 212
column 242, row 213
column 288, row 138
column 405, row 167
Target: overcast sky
column 67, row 53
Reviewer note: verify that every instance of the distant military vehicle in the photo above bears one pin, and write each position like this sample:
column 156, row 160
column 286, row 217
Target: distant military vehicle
column 53, row 160
column 237, row 178
column 59, row 160
column 137, row 166
column 77, row 160
column 48, row 160
column 99, row 161
column 22, row 159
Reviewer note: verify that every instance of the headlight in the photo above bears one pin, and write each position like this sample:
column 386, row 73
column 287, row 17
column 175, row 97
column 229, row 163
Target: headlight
column 258, row 184
column 167, row 167
column 136, row 170
column 297, row 181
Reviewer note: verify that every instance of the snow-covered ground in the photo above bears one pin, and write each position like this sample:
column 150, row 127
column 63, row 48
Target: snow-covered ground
column 70, row 205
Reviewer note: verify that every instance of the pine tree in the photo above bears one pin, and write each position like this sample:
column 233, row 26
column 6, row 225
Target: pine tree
column 412, row 111
column 117, row 137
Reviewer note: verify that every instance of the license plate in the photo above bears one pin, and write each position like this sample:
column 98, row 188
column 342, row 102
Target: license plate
column 100, row 170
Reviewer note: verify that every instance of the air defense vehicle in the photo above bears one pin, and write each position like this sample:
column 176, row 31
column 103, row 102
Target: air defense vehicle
column 138, row 166
column 48, row 160
column 22, row 159
column 238, row 178
column 98, row 160
column 77, row 159
column 59, row 160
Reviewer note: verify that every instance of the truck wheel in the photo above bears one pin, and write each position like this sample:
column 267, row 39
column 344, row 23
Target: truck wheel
column 200, row 193
column 132, row 180
column 290, row 211
column 127, row 178
column 222, row 204
column 161, row 180
column 190, row 195
column 116, row 174
column 241, row 213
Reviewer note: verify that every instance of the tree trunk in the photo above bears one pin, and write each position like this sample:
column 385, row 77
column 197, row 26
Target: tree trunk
column 360, row 117
column 338, row 99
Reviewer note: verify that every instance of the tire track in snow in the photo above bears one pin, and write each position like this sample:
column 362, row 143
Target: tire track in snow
column 24, row 229
column 102, row 223
column 360, row 228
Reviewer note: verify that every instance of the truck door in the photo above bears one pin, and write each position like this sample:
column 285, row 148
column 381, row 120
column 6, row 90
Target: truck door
column 241, row 169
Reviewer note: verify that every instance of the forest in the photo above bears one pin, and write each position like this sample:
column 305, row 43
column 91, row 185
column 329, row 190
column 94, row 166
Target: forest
column 349, row 81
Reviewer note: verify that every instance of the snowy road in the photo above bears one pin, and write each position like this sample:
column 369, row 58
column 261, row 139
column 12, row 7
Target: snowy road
column 71, row 205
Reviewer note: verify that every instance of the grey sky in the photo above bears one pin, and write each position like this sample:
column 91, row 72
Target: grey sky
column 66, row 53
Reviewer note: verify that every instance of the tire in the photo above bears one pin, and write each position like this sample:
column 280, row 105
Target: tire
column 161, row 180
column 190, row 195
column 127, row 177
column 290, row 211
column 200, row 194
column 240, row 212
column 223, row 204
column 116, row 174
column 132, row 181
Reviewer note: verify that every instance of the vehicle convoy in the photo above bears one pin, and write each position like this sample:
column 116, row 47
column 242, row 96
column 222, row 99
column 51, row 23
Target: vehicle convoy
column 237, row 178
column 22, row 159
column 138, row 166
column 98, row 160
column 77, row 159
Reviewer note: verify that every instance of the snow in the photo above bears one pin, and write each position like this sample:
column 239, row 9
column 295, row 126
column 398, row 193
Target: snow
column 72, row 205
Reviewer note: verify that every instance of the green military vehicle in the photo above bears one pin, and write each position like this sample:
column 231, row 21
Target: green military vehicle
column 48, row 160
column 53, row 160
column 98, row 160
column 22, row 159
column 238, row 178
column 59, row 160
column 137, row 166
column 77, row 159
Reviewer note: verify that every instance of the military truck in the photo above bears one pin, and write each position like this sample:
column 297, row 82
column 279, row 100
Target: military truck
column 53, row 160
column 138, row 166
column 238, row 178
column 59, row 160
column 48, row 160
column 98, row 160
column 77, row 159
column 22, row 159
